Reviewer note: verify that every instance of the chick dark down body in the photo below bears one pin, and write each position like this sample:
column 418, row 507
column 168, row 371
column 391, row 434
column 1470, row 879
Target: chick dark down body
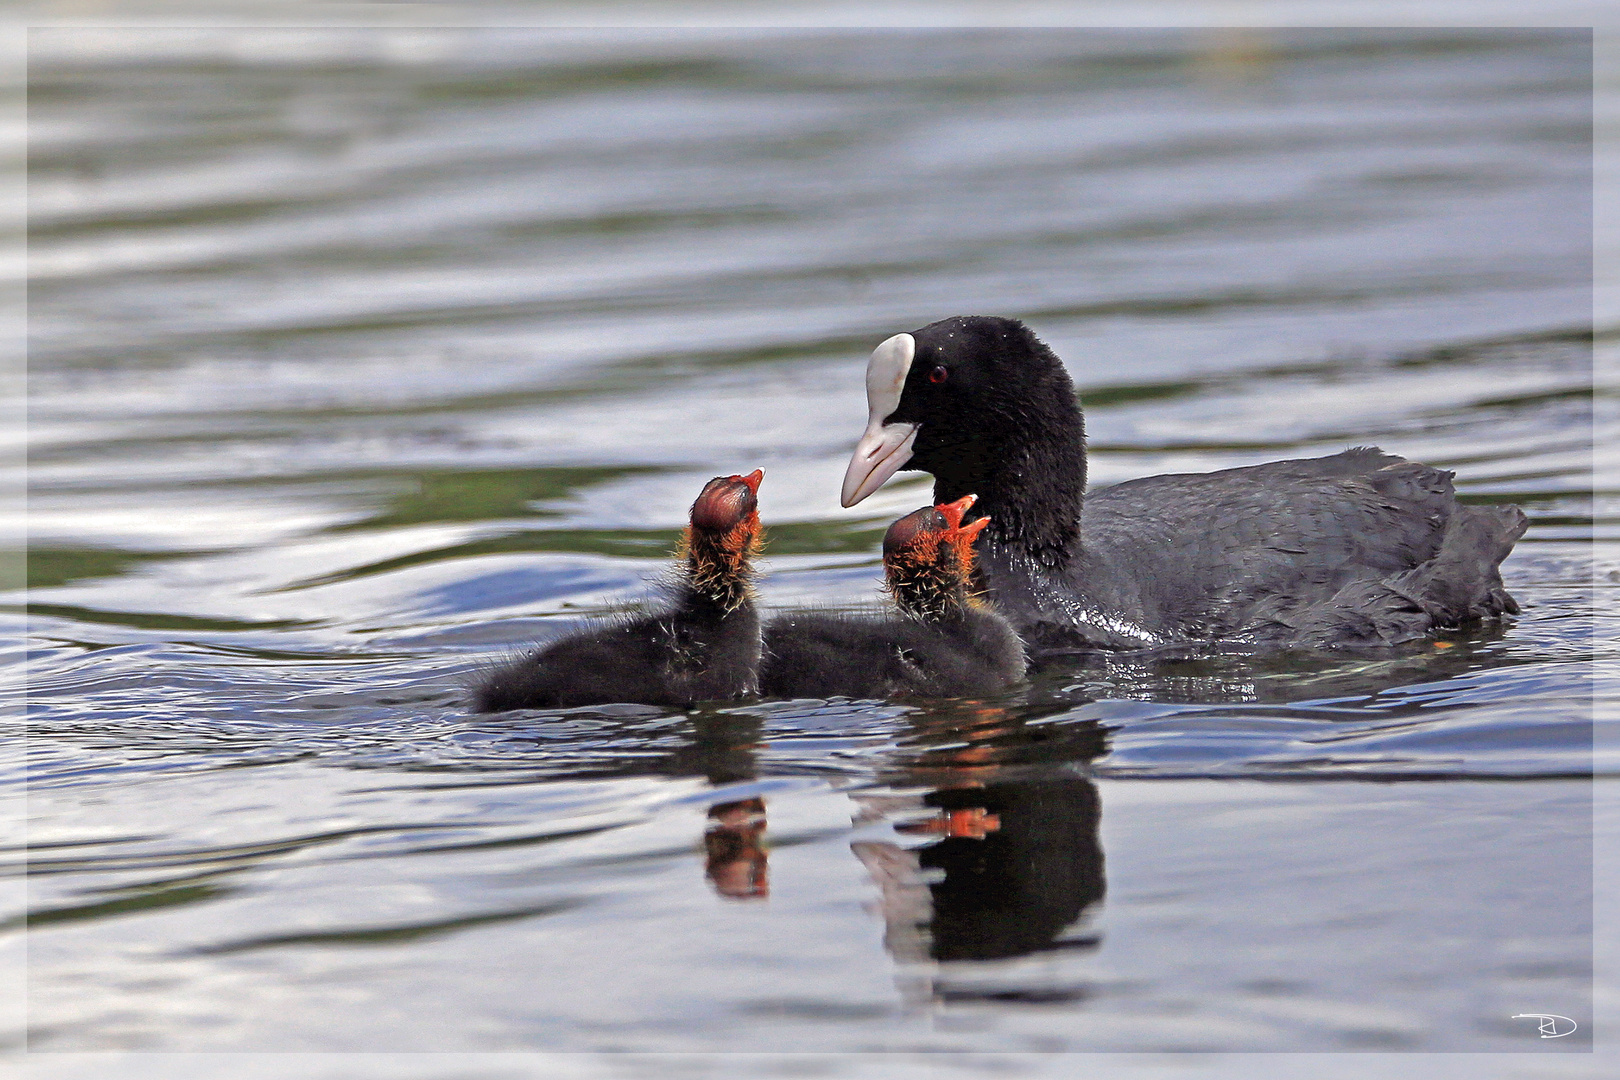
column 824, row 655
column 673, row 659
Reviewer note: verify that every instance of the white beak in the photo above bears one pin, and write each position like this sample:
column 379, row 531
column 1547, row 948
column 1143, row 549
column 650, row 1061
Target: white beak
column 883, row 448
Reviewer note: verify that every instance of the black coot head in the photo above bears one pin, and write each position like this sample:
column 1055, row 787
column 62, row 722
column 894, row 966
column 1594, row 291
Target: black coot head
column 960, row 371
column 944, row 399
column 726, row 502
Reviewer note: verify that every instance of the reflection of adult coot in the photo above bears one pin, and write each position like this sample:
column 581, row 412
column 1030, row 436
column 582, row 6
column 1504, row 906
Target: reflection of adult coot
column 1013, row 891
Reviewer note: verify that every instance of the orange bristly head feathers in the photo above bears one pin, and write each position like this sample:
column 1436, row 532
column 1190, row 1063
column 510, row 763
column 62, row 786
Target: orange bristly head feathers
column 928, row 559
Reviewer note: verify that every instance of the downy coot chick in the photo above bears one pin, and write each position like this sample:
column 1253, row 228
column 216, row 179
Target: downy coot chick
column 1358, row 549
column 944, row 642
column 705, row 646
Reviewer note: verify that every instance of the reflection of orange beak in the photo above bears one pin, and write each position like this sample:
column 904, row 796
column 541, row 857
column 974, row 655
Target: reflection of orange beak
column 974, row 822
column 971, row 823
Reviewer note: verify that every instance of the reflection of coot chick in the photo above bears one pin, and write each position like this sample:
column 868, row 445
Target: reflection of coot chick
column 704, row 647
column 943, row 643
column 1012, row 891
column 736, row 861
column 1360, row 548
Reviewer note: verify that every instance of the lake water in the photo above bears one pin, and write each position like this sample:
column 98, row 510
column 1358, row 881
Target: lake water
column 361, row 360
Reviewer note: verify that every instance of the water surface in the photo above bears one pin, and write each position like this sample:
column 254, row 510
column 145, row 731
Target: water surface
column 362, row 360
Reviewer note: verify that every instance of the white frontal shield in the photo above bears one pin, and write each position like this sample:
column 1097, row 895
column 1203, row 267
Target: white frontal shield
column 883, row 448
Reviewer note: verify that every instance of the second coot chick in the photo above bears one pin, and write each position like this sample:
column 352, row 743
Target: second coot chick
column 943, row 642
column 705, row 646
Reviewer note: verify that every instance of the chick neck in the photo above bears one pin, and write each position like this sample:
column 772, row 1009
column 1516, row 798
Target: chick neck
column 717, row 566
column 929, row 580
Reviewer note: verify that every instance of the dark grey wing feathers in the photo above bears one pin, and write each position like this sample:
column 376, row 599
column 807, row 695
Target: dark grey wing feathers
column 1276, row 550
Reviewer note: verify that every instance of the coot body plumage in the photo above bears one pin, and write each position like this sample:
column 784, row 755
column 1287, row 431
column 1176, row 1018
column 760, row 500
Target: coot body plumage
column 941, row 642
column 704, row 646
column 1360, row 548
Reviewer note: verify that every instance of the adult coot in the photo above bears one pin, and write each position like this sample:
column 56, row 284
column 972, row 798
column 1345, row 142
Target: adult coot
column 704, row 646
column 943, row 642
column 1358, row 549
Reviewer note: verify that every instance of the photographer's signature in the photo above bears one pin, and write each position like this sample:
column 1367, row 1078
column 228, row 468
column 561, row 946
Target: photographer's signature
column 1551, row 1025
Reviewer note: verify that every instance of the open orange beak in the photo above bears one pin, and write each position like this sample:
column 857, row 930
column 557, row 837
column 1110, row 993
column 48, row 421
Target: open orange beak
column 971, row 532
column 953, row 511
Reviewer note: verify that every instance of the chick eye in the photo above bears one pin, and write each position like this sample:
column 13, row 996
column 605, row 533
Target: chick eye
column 939, row 374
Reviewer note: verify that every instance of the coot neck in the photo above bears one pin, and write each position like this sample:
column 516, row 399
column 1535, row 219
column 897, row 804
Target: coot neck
column 1030, row 477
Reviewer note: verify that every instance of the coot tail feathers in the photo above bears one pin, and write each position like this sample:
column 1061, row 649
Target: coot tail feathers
column 1459, row 585
column 1464, row 581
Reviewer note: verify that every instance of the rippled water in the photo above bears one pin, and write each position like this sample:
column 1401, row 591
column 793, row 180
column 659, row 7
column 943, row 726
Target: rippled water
column 361, row 360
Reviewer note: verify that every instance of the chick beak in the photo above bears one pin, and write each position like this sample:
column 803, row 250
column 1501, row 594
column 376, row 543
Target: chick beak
column 953, row 511
column 971, row 531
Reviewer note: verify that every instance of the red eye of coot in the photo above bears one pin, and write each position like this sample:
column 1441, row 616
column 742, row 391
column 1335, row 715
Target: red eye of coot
column 939, row 374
